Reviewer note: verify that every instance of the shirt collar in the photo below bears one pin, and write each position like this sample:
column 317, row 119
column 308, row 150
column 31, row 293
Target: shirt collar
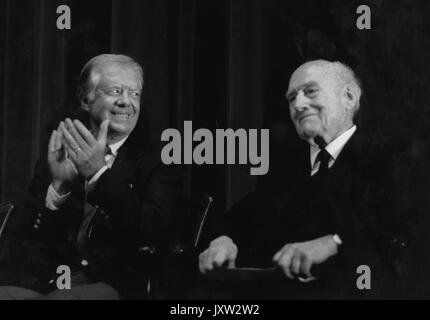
column 335, row 147
column 115, row 146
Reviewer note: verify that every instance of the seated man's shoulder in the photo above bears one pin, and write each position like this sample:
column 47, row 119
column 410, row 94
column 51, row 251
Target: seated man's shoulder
column 147, row 155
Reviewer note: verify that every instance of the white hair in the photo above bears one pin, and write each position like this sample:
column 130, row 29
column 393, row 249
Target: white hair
column 90, row 76
column 344, row 75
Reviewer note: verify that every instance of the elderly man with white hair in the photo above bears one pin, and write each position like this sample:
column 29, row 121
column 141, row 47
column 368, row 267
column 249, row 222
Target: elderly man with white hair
column 323, row 213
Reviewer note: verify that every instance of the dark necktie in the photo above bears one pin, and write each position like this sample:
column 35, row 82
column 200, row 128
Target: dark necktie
column 323, row 158
column 317, row 180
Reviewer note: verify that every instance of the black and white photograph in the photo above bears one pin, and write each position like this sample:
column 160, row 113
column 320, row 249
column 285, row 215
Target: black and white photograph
column 191, row 151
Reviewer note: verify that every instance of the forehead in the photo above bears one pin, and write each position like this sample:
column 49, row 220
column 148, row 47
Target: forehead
column 117, row 74
column 311, row 74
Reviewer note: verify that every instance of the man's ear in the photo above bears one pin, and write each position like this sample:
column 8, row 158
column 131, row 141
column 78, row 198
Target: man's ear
column 350, row 96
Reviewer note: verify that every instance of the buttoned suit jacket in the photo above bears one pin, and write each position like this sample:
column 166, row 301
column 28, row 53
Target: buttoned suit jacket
column 136, row 204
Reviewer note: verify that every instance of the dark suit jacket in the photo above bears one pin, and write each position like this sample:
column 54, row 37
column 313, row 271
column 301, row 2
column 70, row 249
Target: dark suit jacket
column 355, row 201
column 137, row 199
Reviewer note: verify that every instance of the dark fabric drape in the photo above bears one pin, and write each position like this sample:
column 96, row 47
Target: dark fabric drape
column 33, row 85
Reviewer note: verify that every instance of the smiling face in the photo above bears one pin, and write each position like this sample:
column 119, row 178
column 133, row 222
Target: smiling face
column 116, row 97
column 317, row 102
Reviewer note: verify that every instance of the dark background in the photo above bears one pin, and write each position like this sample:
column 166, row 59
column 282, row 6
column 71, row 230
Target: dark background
column 220, row 63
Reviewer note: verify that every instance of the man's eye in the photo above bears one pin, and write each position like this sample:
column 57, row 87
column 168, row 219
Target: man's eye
column 310, row 91
column 291, row 98
column 135, row 94
column 114, row 91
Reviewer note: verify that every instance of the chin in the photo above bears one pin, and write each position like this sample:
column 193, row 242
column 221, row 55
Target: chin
column 308, row 130
column 121, row 128
column 308, row 135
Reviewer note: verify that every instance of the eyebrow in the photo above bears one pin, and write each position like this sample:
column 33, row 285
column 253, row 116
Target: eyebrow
column 108, row 84
column 294, row 91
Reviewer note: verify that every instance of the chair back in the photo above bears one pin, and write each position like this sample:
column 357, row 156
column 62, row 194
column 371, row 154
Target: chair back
column 6, row 209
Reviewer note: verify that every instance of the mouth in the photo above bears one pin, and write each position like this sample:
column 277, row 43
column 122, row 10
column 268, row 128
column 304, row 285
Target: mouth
column 305, row 116
column 121, row 115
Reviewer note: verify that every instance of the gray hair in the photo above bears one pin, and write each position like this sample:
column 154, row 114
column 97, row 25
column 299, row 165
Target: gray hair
column 88, row 78
column 344, row 75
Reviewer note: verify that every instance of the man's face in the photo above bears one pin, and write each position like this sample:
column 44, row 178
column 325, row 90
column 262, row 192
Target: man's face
column 315, row 101
column 117, row 98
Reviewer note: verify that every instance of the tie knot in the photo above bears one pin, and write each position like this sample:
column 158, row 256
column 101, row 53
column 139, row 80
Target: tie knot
column 323, row 157
column 320, row 142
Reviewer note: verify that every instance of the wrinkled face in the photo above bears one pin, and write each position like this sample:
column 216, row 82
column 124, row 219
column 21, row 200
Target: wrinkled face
column 316, row 105
column 117, row 98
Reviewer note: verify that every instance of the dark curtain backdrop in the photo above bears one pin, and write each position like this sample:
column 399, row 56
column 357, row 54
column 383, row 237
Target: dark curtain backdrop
column 220, row 63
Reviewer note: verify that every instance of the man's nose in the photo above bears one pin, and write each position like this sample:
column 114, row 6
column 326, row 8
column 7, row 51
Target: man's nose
column 124, row 99
column 301, row 102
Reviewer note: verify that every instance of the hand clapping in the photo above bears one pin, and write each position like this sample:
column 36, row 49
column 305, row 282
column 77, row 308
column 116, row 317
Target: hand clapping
column 61, row 167
column 86, row 152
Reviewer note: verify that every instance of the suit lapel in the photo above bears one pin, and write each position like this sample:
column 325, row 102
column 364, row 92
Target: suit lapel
column 346, row 183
